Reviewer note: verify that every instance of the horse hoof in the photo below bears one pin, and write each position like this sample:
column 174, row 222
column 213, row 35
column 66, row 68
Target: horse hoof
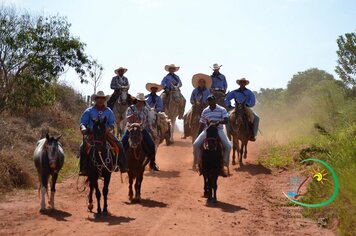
column 214, row 200
column 98, row 211
column 233, row 162
column 205, row 195
column 90, row 207
column 42, row 211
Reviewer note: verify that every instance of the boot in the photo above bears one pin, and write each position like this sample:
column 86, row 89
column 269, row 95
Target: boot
column 153, row 164
column 83, row 165
column 223, row 172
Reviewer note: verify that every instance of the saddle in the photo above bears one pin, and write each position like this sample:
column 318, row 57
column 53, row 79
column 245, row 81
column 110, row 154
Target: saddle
column 112, row 144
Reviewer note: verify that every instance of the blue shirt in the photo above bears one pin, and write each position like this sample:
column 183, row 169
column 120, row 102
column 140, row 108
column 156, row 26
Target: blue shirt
column 117, row 82
column 219, row 81
column 92, row 113
column 218, row 114
column 157, row 105
column 170, row 79
column 246, row 95
column 197, row 96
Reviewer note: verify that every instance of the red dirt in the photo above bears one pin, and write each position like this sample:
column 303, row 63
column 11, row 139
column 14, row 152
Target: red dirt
column 250, row 203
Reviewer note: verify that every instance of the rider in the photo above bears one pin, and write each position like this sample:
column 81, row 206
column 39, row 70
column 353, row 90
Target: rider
column 138, row 113
column 116, row 83
column 153, row 100
column 219, row 80
column 241, row 95
column 170, row 80
column 217, row 114
column 99, row 111
column 201, row 84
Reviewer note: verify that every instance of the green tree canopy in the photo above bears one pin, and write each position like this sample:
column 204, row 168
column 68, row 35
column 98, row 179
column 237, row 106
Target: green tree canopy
column 346, row 67
column 34, row 51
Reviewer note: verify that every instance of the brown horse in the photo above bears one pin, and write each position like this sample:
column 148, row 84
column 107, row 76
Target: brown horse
column 194, row 118
column 239, row 129
column 137, row 160
column 49, row 159
column 220, row 96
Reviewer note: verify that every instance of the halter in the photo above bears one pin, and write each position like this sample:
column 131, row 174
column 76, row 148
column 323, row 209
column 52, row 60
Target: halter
column 206, row 142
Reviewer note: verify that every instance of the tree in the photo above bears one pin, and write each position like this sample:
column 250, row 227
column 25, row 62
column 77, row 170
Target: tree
column 346, row 67
column 95, row 71
column 34, row 51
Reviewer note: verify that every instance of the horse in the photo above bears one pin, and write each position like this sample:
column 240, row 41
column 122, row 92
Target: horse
column 161, row 127
column 137, row 161
column 220, row 96
column 120, row 109
column 101, row 164
column 194, row 118
column 174, row 100
column 211, row 162
column 49, row 159
column 239, row 129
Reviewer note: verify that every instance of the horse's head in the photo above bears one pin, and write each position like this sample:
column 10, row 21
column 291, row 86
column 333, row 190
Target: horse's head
column 123, row 97
column 212, row 137
column 135, row 135
column 53, row 151
column 99, row 131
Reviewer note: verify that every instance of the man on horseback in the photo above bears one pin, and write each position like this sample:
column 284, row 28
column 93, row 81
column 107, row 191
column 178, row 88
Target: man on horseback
column 116, row 83
column 99, row 111
column 138, row 113
column 172, row 81
column 217, row 114
column 153, row 100
column 201, row 84
column 219, row 85
column 246, row 96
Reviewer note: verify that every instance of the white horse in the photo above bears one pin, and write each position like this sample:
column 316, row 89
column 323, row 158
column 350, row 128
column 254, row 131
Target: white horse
column 120, row 110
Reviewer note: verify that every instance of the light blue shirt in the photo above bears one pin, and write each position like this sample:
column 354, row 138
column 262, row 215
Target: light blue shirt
column 240, row 96
column 170, row 79
column 91, row 114
column 218, row 114
column 142, row 117
column 198, row 96
column 158, row 105
column 219, row 81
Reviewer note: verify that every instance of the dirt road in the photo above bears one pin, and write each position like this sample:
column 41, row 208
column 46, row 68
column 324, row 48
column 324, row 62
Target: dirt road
column 250, row 203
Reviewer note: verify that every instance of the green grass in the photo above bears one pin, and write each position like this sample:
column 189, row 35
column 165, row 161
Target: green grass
column 339, row 151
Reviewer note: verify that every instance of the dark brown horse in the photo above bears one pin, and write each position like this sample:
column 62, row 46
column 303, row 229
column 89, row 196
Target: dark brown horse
column 102, row 163
column 194, row 118
column 211, row 162
column 239, row 129
column 137, row 161
column 49, row 159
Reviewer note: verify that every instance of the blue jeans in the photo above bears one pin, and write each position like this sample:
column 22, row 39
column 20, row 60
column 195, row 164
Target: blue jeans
column 150, row 150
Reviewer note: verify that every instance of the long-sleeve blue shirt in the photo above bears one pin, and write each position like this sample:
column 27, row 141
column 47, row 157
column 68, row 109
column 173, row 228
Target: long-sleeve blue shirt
column 154, row 101
column 198, row 95
column 170, row 79
column 246, row 95
column 92, row 113
column 219, row 81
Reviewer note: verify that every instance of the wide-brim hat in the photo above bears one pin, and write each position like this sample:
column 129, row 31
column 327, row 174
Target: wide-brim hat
column 140, row 97
column 197, row 77
column 166, row 67
column 149, row 86
column 242, row 80
column 99, row 94
column 120, row 68
column 216, row 66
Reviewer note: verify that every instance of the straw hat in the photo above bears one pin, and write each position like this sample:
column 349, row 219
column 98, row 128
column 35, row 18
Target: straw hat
column 197, row 77
column 140, row 97
column 242, row 79
column 120, row 68
column 99, row 94
column 166, row 67
column 149, row 86
column 216, row 66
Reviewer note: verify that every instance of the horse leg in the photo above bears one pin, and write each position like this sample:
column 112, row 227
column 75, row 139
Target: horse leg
column 44, row 182
column 98, row 195
column 90, row 196
column 173, row 123
column 234, row 148
column 205, row 186
column 245, row 153
column 241, row 153
column 130, row 187
column 138, row 187
column 107, row 178
column 215, row 186
column 210, row 185
column 53, row 189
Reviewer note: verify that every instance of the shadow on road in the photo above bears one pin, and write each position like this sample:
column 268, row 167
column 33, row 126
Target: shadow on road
column 163, row 174
column 149, row 203
column 110, row 219
column 226, row 207
column 253, row 169
column 58, row 215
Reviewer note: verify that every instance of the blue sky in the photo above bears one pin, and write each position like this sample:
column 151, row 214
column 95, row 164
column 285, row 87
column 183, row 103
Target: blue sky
column 265, row 41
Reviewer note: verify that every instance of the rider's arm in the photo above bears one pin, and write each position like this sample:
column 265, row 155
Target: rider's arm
column 192, row 97
column 114, row 83
column 224, row 83
column 159, row 104
column 224, row 121
column 228, row 98
column 84, row 121
column 179, row 83
column 251, row 100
